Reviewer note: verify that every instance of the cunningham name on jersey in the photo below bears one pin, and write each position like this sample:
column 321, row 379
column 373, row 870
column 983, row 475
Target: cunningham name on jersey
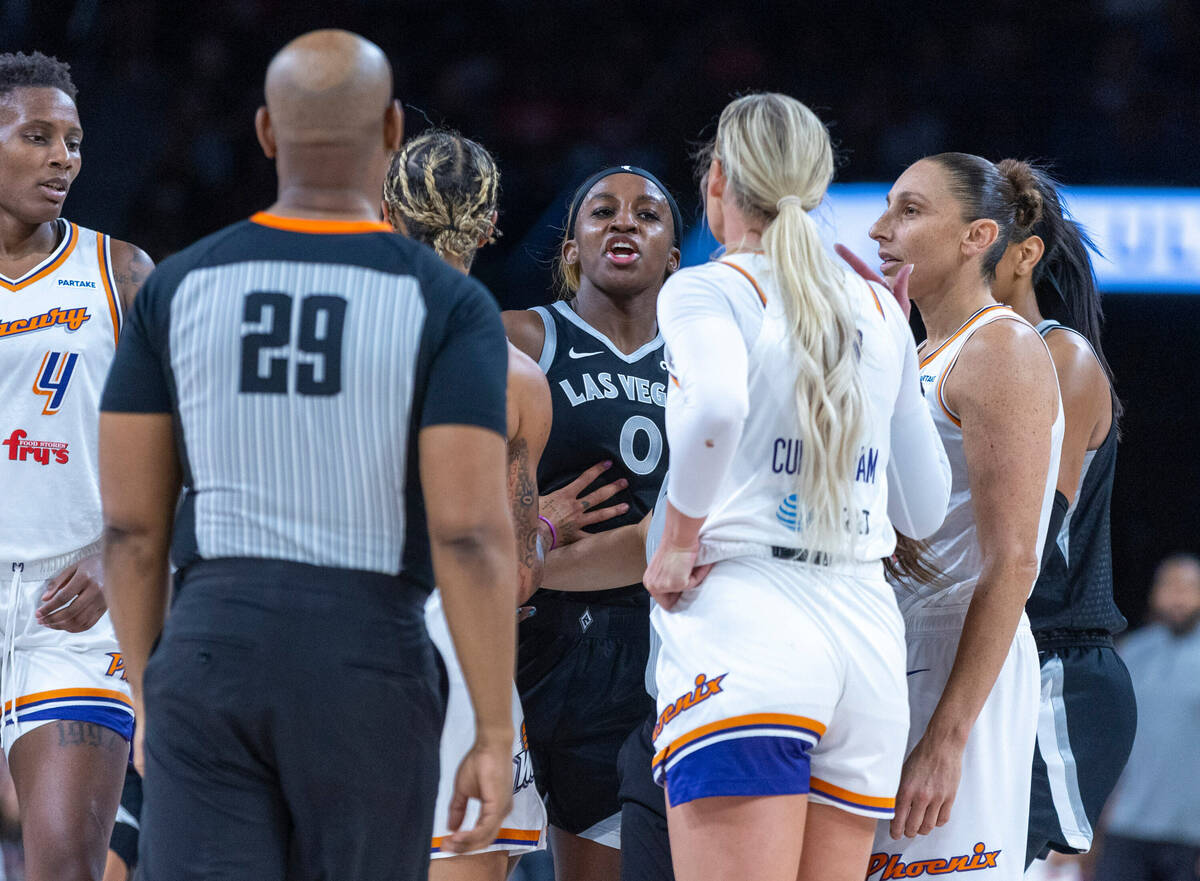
column 757, row 502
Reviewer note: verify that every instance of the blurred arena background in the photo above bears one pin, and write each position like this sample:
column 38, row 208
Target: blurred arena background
column 1108, row 91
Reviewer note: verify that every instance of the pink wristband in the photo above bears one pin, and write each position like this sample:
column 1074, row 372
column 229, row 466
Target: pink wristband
column 553, row 532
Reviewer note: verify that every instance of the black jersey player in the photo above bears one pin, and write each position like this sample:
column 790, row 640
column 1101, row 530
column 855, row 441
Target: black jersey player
column 582, row 656
column 1087, row 716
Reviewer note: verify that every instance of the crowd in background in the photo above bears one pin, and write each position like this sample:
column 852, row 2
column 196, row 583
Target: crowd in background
column 168, row 92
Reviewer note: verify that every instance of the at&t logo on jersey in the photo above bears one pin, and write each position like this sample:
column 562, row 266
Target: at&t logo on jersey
column 52, row 379
column 891, row 866
column 20, row 449
column 788, row 513
column 71, row 319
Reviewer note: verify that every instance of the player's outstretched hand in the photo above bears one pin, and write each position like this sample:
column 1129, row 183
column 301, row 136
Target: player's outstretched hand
column 673, row 571
column 485, row 774
column 570, row 513
column 928, row 785
column 73, row 600
column 899, row 287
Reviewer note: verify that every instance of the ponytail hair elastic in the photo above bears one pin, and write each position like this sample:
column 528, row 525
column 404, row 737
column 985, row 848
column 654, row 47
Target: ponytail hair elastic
column 789, row 200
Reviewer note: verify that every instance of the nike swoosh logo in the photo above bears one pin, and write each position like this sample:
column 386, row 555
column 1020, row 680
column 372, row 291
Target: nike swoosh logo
column 913, row 672
column 573, row 354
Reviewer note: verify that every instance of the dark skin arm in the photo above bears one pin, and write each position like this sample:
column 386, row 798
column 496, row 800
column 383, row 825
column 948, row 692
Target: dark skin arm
column 525, row 331
column 529, row 407
column 74, row 599
column 139, row 485
column 473, row 547
column 603, row 561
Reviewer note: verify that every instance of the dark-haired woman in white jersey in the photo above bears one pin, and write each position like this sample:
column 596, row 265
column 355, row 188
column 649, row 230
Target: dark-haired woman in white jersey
column 963, row 800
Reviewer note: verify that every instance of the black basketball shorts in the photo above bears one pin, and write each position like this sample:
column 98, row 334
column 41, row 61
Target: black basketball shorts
column 1086, row 723
column 580, row 674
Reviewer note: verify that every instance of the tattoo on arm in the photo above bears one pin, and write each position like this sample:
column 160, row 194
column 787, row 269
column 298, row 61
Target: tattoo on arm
column 131, row 275
column 523, row 496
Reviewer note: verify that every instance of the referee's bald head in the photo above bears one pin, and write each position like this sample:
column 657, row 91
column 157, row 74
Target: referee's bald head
column 328, row 91
column 327, row 84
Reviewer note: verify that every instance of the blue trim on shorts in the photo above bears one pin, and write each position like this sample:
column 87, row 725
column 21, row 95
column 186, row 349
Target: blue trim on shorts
column 120, row 721
column 882, row 813
column 516, row 842
column 762, row 765
column 100, row 699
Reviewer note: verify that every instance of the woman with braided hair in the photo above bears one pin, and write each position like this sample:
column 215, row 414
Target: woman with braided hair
column 441, row 190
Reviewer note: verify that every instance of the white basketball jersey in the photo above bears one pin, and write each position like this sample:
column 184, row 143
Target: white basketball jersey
column 954, row 549
column 757, row 503
column 58, row 333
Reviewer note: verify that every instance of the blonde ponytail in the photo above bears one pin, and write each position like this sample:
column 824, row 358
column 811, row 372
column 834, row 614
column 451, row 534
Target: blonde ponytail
column 778, row 159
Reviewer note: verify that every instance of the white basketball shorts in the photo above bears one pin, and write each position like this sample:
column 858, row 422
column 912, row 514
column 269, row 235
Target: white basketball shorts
column 778, row 678
column 50, row 675
column 524, row 829
column 989, row 820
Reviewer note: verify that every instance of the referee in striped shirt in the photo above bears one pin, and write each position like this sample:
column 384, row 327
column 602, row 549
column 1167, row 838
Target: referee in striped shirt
column 329, row 397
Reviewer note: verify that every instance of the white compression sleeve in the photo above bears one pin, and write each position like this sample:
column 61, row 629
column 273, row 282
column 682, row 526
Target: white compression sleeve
column 918, row 471
column 708, row 402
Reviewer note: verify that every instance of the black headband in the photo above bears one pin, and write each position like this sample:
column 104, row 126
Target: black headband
column 580, row 193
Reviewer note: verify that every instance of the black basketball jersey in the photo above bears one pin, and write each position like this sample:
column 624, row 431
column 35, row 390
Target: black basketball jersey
column 1074, row 590
column 607, row 405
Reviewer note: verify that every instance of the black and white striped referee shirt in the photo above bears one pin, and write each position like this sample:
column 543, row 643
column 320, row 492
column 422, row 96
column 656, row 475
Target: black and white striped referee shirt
column 300, row 358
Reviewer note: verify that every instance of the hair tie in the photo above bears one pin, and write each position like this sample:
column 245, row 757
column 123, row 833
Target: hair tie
column 789, row 200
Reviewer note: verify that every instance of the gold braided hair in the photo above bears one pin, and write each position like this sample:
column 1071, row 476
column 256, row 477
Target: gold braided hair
column 444, row 188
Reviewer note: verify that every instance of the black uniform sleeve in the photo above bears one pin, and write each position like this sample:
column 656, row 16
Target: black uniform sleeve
column 468, row 370
column 137, row 380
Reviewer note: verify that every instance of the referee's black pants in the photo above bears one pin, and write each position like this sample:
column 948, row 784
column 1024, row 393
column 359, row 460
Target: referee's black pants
column 293, row 718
